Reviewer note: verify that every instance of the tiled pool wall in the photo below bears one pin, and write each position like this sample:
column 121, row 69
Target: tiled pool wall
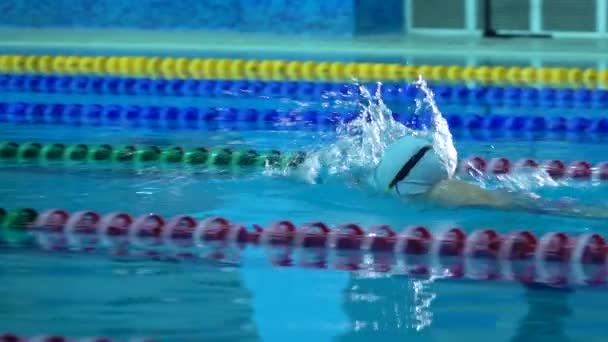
column 291, row 17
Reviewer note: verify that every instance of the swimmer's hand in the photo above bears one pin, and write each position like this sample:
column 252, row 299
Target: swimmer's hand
column 457, row 193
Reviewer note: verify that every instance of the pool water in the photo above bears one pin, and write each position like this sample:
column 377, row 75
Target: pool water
column 90, row 295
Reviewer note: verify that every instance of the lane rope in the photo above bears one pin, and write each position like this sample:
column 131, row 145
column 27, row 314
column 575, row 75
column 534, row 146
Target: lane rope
column 78, row 154
column 58, row 153
column 554, row 258
column 239, row 69
column 304, row 91
column 213, row 117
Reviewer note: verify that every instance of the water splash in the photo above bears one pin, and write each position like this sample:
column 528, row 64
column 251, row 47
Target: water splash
column 421, row 312
column 522, row 180
column 361, row 142
column 439, row 131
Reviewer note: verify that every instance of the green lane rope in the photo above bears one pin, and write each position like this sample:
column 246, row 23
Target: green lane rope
column 14, row 223
column 32, row 152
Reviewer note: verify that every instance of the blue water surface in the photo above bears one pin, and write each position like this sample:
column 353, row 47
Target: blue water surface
column 84, row 295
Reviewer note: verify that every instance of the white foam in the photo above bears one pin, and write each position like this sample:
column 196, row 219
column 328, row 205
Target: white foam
column 361, row 143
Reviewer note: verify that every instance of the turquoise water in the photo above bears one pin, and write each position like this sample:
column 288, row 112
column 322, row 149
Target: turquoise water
column 83, row 295
column 313, row 18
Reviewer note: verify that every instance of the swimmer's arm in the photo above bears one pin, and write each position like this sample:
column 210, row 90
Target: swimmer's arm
column 458, row 193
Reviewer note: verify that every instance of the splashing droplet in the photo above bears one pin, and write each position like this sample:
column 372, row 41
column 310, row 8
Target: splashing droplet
column 361, row 142
column 439, row 130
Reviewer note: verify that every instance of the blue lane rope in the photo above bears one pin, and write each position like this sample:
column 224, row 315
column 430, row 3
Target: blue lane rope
column 396, row 92
column 195, row 117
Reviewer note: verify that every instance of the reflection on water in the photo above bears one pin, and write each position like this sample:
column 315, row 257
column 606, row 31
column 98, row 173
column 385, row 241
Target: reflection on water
column 76, row 294
column 422, row 304
column 387, row 307
column 393, row 308
column 81, row 296
column 547, row 312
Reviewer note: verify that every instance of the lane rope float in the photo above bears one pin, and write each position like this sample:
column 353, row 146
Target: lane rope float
column 195, row 118
column 130, row 155
column 239, row 69
column 77, row 154
column 305, row 91
column 554, row 258
column 555, row 168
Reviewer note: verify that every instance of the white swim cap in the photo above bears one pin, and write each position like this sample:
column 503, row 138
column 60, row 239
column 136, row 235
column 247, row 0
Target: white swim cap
column 410, row 166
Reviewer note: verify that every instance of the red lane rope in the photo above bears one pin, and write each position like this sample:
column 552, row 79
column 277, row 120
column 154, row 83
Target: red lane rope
column 556, row 169
column 553, row 257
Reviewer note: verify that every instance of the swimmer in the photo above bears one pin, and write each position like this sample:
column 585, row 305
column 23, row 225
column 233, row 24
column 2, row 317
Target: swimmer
column 411, row 168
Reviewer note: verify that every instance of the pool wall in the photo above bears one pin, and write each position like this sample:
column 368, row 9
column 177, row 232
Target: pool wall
column 310, row 18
